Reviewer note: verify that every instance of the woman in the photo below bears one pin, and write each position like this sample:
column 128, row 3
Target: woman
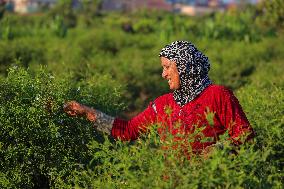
column 193, row 100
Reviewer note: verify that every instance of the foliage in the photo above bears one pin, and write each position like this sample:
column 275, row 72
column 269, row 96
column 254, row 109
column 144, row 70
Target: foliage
column 39, row 143
column 91, row 57
column 234, row 26
column 273, row 12
column 90, row 10
column 144, row 26
column 25, row 52
column 64, row 9
column 2, row 9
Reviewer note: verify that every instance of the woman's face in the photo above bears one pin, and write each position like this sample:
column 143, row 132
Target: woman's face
column 170, row 73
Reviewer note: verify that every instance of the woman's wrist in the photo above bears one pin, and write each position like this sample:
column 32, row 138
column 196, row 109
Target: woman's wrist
column 103, row 122
column 90, row 113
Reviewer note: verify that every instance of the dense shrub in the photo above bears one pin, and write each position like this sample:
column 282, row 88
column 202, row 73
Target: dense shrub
column 59, row 27
column 64, row 9
column 22, row 51
column 229, row 25
column 13, row 27
column 144, row 26
column 40, row 145
column 233, row 63
column 272, row 13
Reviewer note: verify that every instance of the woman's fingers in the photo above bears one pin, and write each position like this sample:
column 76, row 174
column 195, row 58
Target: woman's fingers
column 73, row 108
column 71, row 113
column 67, row 106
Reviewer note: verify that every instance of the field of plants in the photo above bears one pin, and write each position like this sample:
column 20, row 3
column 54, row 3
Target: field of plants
column 110, row 61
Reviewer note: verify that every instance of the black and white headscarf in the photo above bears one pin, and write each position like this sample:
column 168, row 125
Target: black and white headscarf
column 193, row 68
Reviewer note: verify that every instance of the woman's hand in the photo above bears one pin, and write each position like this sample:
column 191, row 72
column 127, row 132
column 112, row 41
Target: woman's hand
column 74, row 108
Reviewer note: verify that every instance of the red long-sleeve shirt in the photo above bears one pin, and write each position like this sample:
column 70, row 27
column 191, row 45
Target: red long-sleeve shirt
column 226, row 115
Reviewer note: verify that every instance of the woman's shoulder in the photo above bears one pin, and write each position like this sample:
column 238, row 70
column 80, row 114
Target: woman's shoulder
column 216, row 89
column 219, row 91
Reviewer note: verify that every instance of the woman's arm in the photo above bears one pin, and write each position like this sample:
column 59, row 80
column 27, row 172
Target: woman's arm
column 102, row 121
column 131, row 129
column 118, row 128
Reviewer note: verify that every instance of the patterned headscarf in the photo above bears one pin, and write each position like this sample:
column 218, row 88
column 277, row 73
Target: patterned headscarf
column 193, row 68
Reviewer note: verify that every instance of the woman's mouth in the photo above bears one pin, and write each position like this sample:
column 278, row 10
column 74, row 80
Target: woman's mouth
column 169, row 81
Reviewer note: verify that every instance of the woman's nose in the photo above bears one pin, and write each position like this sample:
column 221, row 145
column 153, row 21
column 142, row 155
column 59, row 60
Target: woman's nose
column 164, row 74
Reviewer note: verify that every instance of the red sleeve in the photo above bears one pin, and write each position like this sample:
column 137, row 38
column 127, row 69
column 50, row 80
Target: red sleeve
column 233, row 118
column 130, row 130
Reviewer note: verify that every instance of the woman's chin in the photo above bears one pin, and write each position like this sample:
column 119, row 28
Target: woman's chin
column 172, row 88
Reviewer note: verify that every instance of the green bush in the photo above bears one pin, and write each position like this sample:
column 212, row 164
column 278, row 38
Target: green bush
column 23, row 51
column 272, row 13
column 64, row 9
column 232, row 26
column 41, row 145
column 144, row 26
column 13, row 26
column 59, row 27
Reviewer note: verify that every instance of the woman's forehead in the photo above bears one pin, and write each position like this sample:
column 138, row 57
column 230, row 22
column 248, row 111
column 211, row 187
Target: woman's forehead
column 165, row 61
